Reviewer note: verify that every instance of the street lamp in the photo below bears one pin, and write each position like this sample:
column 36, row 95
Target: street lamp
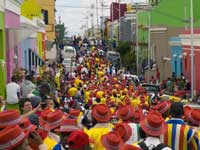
column 192, row 48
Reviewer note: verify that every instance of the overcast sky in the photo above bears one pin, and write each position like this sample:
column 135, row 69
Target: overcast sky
column 74, row 12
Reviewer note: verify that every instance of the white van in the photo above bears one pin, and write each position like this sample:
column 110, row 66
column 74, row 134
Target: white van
column 114, row 58
column 68, row 52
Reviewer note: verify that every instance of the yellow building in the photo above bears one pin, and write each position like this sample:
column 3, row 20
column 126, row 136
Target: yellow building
column 48, row 12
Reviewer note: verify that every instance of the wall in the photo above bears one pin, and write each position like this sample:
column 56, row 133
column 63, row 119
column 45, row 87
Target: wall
column 176, row 55
column 12, row 22
column 161, row 49
column 50, row 28
column 2, row 56
column 25, row 45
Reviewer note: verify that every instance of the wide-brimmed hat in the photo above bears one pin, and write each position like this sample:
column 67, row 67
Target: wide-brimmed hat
column 78, row 139
column 74, row 113
column 124, row 131
column 137, row 115
column 163, row 106
column 68, row 125
column 9, row 117
column 26, row 125
column 11, row 136
column 130, row 147
column 52, row 120
column 193, row 115
column 101, row 113
column 112, row 141
column 153, row 124
column 125, row 112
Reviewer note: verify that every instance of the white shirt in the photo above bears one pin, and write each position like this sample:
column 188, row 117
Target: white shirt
column 12, row 89
column 154, row 142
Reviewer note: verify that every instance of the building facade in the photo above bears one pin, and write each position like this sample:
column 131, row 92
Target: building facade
column 12, row 24
column 176, row 55
column 2, row 49
column 186, row 48
column 48, row 14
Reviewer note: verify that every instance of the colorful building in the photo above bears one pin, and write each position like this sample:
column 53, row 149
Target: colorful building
column 186, row 44
column 48, row 14
column 2, row 50
column 12, row 24
column 176, row 55
column 165, row 21
column 33, row 46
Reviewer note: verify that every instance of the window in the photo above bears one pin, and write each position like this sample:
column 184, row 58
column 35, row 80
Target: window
column 45, row 16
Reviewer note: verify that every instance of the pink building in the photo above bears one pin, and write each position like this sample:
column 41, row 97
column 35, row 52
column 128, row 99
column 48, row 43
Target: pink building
column 186, row 46
column 12, row 23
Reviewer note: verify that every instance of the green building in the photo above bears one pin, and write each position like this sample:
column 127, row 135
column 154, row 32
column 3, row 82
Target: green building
column 167, row 18
column 2, row 55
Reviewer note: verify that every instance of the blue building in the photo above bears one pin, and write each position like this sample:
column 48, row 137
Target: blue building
column 176, row 55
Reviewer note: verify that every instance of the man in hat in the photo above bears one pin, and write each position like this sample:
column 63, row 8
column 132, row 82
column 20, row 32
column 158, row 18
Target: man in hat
column 78, row 140
column 178, row 135
column 153, row 125
column 101, row 115
column 66, row 128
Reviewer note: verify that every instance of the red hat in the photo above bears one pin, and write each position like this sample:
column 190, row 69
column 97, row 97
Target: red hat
column 153, row 124
column 112, row 141
column 125, row 112
column 130, row 147
column 101, row 113
column 124, row 131
column 11, row 136
column 138, row 115
column 74, row 113
column 163, row 106
column 9, row 117
column 26, row 125
column 68, row 125
column 193, row 115
column 52, row 120
column 78, row 139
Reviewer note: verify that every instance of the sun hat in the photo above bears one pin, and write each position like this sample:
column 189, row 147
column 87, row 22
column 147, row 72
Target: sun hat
column 137, row 115
column 124, row 131
column 74, row 113
column 52, row 120
column 11, row 136
column 112, row 141
column 78, row 139
column 125, row 112
column 153, row 124
column 193, row 115
column 130, row 147
column 9, row 117
column 101, row 113
column 163, row 106
column 26, row 125
column 68, row 125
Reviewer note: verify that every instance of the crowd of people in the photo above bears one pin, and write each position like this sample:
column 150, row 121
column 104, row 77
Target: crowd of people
column 91, row 107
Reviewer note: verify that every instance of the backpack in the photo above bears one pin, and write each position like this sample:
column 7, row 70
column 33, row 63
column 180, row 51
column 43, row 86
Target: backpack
column 158, row 147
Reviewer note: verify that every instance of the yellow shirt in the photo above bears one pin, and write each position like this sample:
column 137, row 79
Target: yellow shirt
column 77, row 82
column 50, row 143
column 72, row 91
column 100, row 94
column 96, row 133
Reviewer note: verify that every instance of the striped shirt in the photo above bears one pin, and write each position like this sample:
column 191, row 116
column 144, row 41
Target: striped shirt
column 179, row 136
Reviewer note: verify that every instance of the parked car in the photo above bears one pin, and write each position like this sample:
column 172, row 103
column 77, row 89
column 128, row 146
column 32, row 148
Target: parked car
column 151, row 88
column 134, row 78
column 69, row 64
column 68, row 52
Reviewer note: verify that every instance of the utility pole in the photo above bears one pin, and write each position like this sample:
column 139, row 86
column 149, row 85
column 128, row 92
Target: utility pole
column 102, row 5
column 149, row 44
column 137, row 45
column 112, row 21
column 192, row 48
column 119, row 19
column 97, row 12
